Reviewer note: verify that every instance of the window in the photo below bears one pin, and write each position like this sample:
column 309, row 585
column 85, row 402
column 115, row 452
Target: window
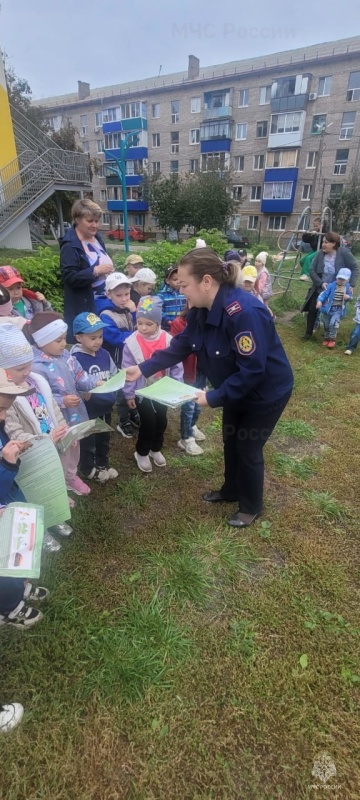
column 253, row 222
column 195, row 105
column 110, row 114
column 175, row 111
column 341, row 160
column 306, row 192
column 112, row 141
column 194, row 136
column 285, row 123
column 86, row 147
column 139, row 219
column 156, row 167
column 215, row 161
column 324, row 86
column 134, row 167
column 281, row 158
column 194, row 165
column 100, row 145
column 241, row 131
column 290, row 86
column 237, row 192
column 261, row 129
column 174, row 141
column 156, row 140
column 347, row 125
column 215, row 130
column 336, row 190
column 103, row 195
column 239, row 163
column 114, row 193
column 131, row 110
column 278, row 191
column 105, row 218
column 118, row 220
column 98, row 119
column 265, row 95
column 255, row 193
column 243, row 98
column 318, row 123
column 353, row 92
column 311, row 160
column 276, row 223
column 155, row 110
column 259, row 162
column 174, row 167
column 234, row 222
column 83, row 124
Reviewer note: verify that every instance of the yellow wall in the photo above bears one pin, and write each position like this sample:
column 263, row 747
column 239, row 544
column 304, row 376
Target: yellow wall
column 7, row 141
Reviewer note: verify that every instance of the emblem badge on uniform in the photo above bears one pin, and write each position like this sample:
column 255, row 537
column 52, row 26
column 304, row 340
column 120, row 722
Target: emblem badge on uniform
column 245, row 343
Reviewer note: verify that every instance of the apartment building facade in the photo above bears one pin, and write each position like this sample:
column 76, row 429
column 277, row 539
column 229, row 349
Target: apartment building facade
column 286, row 125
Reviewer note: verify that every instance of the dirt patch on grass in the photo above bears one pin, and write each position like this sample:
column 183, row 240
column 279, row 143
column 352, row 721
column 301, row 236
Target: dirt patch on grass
column 294, row 446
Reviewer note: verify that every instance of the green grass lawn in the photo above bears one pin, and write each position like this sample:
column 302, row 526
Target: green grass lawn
column 180, row 659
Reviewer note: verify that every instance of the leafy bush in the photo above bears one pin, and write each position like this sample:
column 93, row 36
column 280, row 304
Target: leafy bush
column 41, row 273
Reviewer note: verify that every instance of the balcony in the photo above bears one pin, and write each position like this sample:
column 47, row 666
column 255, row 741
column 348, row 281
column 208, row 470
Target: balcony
column 218, row 113
column 296, row 102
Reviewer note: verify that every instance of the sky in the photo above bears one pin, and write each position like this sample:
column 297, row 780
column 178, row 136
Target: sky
column 103, row 42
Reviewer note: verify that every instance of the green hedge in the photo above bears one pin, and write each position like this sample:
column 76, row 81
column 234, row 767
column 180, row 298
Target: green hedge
column 41, row 273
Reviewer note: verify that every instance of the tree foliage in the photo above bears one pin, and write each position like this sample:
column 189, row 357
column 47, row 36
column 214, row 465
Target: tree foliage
column 347, row 205
column 167, row 200
column 20, row 94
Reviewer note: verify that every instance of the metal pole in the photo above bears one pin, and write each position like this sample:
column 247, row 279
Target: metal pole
column 123, row 185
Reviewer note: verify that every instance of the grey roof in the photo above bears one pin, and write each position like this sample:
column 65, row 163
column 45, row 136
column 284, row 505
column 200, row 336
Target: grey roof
column 246, row 66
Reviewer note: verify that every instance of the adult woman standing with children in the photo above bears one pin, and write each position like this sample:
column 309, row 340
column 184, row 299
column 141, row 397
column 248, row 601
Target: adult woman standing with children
column 84, row 262
column 238, row 349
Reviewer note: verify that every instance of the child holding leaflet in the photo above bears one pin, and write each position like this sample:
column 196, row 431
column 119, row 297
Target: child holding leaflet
column 189, row 412
column 96, row 361
column 153, row 416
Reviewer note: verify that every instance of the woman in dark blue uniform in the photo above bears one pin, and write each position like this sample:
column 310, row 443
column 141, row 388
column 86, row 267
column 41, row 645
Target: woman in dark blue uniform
column 238, row 349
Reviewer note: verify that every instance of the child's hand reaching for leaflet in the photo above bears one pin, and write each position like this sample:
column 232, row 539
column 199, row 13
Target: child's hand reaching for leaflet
column 71, row 400
column 59, row 432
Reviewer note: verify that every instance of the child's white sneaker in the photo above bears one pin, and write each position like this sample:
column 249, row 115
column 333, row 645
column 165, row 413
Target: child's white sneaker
column 158, row 458
column 99, row 475
column 190, row 446
column 348, row 352
column 112, row 473
column 10, row 716
column 143, row 462
column 50, row 545
column 199, row 436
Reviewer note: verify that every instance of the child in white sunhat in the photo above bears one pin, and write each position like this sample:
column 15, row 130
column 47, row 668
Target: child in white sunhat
column 264, row 285
column 355, row 333
column 143, row 283
column 332, row 303
column 153, row 416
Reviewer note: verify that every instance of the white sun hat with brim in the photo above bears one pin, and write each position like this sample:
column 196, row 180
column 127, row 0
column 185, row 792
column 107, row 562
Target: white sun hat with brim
column 9, row 387
column 144, row 274
column 116, row 279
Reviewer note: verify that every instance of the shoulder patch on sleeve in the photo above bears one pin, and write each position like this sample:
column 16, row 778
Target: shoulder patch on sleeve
column 245, row 343
column 233, row 308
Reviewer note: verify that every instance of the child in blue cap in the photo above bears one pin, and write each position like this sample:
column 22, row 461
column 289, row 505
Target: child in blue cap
column 95, row 360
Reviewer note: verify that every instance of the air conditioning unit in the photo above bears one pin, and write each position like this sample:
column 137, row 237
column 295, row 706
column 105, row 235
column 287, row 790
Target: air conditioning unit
column 97, row 129
column 312, row 96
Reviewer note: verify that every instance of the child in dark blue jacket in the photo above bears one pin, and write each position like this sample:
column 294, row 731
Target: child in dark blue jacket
column 14, row 591
column 332, row 302
column 173, row 302
column 95, row 360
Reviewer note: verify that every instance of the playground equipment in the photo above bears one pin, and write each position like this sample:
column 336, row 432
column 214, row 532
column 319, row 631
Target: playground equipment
column 288, row 264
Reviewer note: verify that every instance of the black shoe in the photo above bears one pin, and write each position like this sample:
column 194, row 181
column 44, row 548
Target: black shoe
column 126, row 429
column 216, row 497
column 240, row 520
column 306, row 337
column 135, row 419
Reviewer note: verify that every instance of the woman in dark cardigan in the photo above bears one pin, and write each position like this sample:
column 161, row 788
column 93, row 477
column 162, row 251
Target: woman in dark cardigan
column 324, row 269
column 84, row 262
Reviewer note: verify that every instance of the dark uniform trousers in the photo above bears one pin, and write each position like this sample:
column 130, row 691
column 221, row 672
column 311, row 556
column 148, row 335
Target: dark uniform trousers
column 245, row 432
column 153, row 424
column 312, row 312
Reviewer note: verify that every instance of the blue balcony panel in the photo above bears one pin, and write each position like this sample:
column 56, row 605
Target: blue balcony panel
column 131, row 180
column 132, row 153
column 280, row 174
column 280, row 206
column 128, row 125
column 133, row 205
column 216, row 146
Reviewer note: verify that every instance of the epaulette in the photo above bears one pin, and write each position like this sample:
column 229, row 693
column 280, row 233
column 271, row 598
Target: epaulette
column 233, row 308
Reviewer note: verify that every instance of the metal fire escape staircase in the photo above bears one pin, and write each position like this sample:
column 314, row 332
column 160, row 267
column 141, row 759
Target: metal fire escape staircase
column 41, row 168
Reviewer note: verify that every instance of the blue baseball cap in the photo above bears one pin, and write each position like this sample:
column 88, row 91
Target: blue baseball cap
column 88, row 323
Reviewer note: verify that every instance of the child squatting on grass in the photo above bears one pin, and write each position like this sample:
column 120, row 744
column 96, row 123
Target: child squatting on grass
column 139, row 347
column 332, row 302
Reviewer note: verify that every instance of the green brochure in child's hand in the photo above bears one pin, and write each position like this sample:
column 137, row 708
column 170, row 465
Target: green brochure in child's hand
column 112, row 385
column 21, row 537
column 41, row 479
column 81, row 431
column 169, row 392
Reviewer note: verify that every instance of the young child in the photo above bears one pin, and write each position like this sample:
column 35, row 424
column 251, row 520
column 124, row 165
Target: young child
column 143, row 283
column 118, row 311
column 189, row 412
column 173, row 302
column 66, row 378
column 14, row 592
column 249, row 281
column 332, row 304
column 153, row 416
column 7, row 313
column 25, row 303
column 264, row 285
column 96, row 361
column 355, row 333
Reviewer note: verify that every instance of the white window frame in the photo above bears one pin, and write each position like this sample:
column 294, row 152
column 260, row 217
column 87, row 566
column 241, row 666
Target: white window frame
column 354, row 93
column 278, row 190
column 246, row 96
column 237, row 191
column 155, row 106
column 312, row 153
column 327, row 86
column 195, row 105
column 155, row 164
column 340, row 165
column 158, row 140
column 236, row 169
column 197, row 168
column 239, row 125
column 219, row 156
column 263, row 135
column 266, row 91
column 287, row 128
column 319, row 128
column 347, row 127
column 282, row 226
column 306, row 192
column 259, row 169
column 100, row 146
column 174, row 145
column 255, row 199
column 195, row 137
column 174, row 114
column 86, row 147
column 174, row 171
column 336, row 193
column 105, row 218
column 251, row 225
column 103, row 195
